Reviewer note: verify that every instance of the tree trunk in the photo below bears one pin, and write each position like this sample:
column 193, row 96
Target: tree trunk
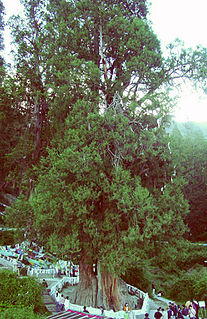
column 110, row 291
column 97, row 290
column 86, row 292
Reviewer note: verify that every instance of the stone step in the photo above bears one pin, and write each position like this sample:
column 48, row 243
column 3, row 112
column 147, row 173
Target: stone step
column 48, row 300
column 49, row 304
column 51, row 308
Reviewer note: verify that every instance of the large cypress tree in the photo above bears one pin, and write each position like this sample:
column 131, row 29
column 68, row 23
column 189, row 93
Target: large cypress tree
column 104, row 189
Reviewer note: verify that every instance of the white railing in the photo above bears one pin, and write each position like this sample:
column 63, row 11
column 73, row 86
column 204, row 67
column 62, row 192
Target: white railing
column 136, row 291
column 7, row 261
column 10, row 262
column 40, row 271
column 59, row 285
column 97, row 311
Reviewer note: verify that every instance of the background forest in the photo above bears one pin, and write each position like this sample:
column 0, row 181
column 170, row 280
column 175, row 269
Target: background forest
column 92, row 165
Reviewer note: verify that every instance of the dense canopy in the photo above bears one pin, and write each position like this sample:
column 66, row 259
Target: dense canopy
column 86, row 151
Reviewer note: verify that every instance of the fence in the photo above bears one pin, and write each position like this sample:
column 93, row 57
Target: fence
column 97, row 311
column 39, row 271
column 12, row 263
column 8, row 261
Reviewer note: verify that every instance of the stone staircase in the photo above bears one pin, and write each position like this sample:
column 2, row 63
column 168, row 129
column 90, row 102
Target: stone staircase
column 49, row 304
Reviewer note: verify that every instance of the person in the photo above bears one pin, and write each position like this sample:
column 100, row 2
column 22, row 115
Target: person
column 85, row 310
column 192, row 312
column 19, row 266
column 146, row 316
column 175, row 310
column 184, row 312
column 196, row 307
column 180, row 315
column 153, row 289
column 62, row 302
column 45, row 286
column 57, row 302
column 102, row 311
column 74, row 271
column 160, row 293
column 170, row 312
column 187, row 304
column 162, row 312
column 158, row 313
column 126, row 307
column 67, row 303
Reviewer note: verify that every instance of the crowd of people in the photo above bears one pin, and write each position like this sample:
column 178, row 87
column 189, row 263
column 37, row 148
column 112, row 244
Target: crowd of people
column 62, row 303
column 189, row 310
column 186, row 311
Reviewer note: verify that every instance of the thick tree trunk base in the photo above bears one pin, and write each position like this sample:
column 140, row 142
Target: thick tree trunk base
column 97, row 290
column 110, row 291
column 85, row 297
column 86, row 291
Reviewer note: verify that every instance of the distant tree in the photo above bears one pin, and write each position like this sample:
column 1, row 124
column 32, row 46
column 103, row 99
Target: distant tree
column 28, row 36
column 15, row 144
column 191, row 149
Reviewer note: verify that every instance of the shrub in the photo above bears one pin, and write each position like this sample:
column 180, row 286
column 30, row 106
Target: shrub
column 7, row 237
column 139, row 277
column 25, row 291
column 190, row 285
column 23, row 271
column 20, row 313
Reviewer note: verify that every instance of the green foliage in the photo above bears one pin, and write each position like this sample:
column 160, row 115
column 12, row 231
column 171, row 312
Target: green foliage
column 20, row 291
column 7, row 238
column 190, row 148
column 24, row 223
column 2, row 12
column 190, row 285
column 139, row 276
column 177, row 255
column 170, row 261
column 94, row 196
column 93, row 115
column 16, row 139
column 20, row 313
column 190, row 254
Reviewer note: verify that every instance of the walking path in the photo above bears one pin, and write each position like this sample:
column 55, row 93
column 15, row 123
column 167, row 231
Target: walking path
column 156, row 303
column 49, row 303
column 72, row 315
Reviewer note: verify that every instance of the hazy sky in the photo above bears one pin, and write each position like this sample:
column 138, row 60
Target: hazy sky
column 186, row 20
column 171, row 19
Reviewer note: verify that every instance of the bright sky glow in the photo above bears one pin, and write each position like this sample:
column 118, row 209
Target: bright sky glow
column 183, row 19
column 171, row 19
column 186, row 20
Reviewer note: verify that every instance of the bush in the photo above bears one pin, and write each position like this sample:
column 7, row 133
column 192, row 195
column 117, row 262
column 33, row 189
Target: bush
column 7, row 237
column 20, row 313
column 10, row 237
column 189, row 286
column 26, row 291
column 23, row 271
column 139, row 277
